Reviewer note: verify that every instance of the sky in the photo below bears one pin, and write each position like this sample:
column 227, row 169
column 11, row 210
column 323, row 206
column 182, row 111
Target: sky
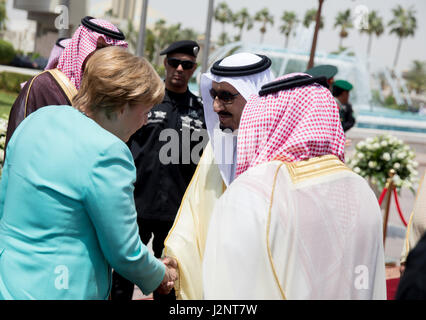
column 193, row 14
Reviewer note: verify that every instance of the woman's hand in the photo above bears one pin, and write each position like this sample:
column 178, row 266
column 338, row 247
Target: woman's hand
column 170, row 277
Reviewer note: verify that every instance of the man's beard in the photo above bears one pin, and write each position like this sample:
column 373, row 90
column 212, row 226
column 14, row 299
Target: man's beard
column 224, row 127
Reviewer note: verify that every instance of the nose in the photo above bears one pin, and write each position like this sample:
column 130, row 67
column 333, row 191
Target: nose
column 217, row 105
column 179, row 68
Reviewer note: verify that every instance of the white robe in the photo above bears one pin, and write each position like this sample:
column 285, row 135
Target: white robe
column 304, row 230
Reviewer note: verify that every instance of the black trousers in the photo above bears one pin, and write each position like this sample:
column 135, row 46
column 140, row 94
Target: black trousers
column 122, row 289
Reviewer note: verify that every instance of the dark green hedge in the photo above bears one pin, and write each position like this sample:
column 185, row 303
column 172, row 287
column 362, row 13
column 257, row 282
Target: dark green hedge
column 11, row 82
column 7, row 53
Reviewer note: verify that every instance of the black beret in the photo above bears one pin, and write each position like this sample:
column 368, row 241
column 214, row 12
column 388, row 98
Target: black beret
column 185, row 46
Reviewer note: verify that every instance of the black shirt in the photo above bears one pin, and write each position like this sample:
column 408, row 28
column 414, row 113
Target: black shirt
column 162, row 153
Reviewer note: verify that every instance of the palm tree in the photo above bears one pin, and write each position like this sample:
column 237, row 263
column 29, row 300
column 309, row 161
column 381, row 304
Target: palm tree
column 375, row 27
column 310, row 17
column 416, row 76
column 343, row 20
column 265, row 18
column 290, row 20
column 223, row 39
column 242, row 19
column 223, row 14
column 403, row 24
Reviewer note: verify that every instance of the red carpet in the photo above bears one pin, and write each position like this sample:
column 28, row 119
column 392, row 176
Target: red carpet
column 391, row 288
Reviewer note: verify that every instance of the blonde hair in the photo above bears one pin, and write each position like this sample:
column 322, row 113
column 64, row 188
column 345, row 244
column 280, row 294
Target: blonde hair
column 114, row 77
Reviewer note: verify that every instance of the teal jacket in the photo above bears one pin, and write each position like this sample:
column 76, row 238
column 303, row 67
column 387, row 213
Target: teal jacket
column 67, row 213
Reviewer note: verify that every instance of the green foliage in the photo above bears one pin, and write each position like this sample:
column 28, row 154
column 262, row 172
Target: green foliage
column 404, row 23
column 223, row 14
column 290, row 21
column 11, row 82
column 7, row 53
column 310, row 17
column 416, row 77
column 264, row 17
column 242, row 20
column 344, row 21
column 375, row 27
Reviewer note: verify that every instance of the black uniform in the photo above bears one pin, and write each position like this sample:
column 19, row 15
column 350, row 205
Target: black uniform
column 346, row 116
column 412, row 285
column 160, row 187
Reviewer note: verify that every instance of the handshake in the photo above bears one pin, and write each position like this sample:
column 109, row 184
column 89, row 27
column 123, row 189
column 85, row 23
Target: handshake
column 170, row 277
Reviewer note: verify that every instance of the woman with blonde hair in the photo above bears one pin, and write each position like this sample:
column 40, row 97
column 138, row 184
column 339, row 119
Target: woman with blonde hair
column 67, row 213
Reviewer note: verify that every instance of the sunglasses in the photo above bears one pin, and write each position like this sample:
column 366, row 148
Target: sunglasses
column 225, row 96
column 186, row 64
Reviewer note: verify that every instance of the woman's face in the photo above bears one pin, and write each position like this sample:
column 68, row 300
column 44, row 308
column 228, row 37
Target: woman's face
column 131, row 118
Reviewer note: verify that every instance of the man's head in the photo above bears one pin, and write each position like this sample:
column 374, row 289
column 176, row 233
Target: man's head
column 291, row 124
column 230, row 83
column 180, row 64
column 93, row 34
column 341, row 89
column 56, row 53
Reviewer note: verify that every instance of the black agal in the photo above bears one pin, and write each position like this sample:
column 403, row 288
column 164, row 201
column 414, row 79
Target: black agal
column 97, row 28
column 239, row 71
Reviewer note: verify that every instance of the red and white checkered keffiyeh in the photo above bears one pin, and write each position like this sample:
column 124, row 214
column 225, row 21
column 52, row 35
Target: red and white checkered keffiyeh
column 83, row 43
column 289, row 125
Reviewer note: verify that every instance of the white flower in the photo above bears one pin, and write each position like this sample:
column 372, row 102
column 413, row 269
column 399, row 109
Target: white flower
column 401, row 155
column 396, row 165
column 361, row 145
column 357, row 170
column 386, row 156
column 372, row 164
column 360, row 155
column 384, row 143
column 415, row 164
column 376, row 145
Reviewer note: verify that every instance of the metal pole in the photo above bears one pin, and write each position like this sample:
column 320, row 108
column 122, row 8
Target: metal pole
column 390, row 186
column 207, row 37
column 141, row 39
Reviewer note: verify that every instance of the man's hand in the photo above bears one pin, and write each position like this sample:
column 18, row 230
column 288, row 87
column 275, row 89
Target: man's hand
column 170, row 277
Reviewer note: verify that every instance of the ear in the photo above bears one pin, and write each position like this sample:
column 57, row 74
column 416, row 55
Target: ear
column 165, row 62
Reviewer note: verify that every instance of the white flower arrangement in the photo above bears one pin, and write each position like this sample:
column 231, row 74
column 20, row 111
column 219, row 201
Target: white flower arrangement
column 375, row 157
column 3, row 129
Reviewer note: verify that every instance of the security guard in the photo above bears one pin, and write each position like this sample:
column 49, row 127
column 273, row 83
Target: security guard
column 341, row 89
column 325, row 70
column 163, row 153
